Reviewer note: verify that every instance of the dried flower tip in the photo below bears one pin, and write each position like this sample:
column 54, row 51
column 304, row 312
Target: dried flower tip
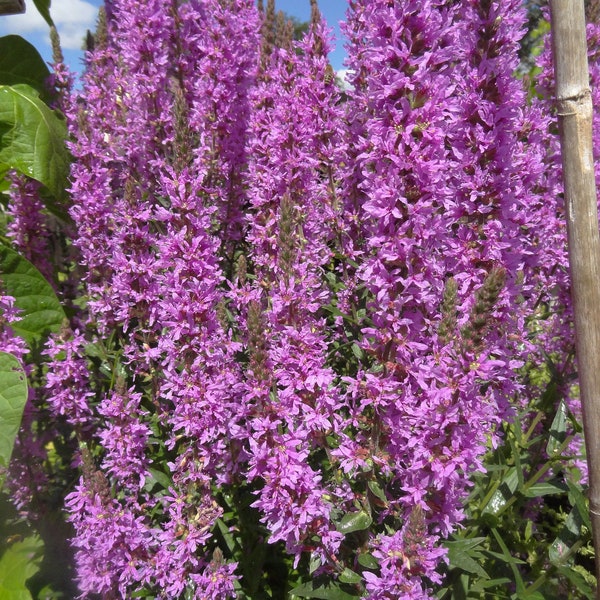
column 57, row 55
column 315, row 13
column 183, row 140
column 286, row 241
column 101, row 35
column 268, row 35
column 485, row 300
column 94, row 478
column 256, row 341
column 241, row 269
column 284, row 31
column 448, row 323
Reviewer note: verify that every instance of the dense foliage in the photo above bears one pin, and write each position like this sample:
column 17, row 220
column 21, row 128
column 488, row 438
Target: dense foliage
column 295, row 340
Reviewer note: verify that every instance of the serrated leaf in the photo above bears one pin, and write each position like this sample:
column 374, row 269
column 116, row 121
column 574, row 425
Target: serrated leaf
column 43, row 7
column 356, row 521
column 19, row 562
column 20, row 62
column 13, row 397
column 32, row 138
column 558, row 430
column 325, row 591
column 41, row 311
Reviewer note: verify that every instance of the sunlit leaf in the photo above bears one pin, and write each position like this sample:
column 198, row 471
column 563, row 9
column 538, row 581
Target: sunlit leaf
column 356, row 521
column 13, row 396
column 18, row 563
column 41, row 311
column 32, row 138
column 20, row 62
column 43, row 7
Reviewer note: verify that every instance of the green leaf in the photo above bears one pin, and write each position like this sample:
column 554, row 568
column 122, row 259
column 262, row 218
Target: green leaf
column 504, row 493
column 227, row 536
column 368, row 561
column 161, row 478
column 482, row 584
column 558, row 430
column 510, row 560
column 326, row 591
column 42, row 312
column 530, row 596
column 43, row 7
column 20, row 62
column 578, row 499
column 537, row 490
column 314, row 564
column 19, row 562
column 32, row 139
column 377, row 491
column 349, row 576
column 357, row 351
column 578, row 580
column 13, row 396
column 568, row 540
column 356, row 521
column 462, row 555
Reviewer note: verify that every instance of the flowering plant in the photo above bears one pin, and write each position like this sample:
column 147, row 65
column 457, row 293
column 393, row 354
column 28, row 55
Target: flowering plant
column 301, row 325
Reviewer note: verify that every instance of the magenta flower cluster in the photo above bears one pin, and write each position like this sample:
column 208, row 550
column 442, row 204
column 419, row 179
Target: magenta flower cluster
column 307, row 308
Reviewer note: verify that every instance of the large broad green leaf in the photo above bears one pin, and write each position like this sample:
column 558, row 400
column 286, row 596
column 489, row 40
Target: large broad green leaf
column 19, row 562
column 42, row 312
column 32, row 138
column 13, row 396
column 43, row 7
column 20, row 62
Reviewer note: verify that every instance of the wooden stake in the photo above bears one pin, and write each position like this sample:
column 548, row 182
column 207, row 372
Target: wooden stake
column 574, row 104
column 12, row 7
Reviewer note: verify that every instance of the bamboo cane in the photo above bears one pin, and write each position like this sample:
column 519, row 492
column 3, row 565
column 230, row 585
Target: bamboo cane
column 574, row 107
column 12, row 7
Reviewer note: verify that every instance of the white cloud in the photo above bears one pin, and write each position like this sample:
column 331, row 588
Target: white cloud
column 72, row 19
column 342, row 77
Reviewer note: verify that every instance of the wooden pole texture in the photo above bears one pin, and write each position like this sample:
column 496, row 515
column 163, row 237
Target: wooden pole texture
column 12, row 7
column 574, row 107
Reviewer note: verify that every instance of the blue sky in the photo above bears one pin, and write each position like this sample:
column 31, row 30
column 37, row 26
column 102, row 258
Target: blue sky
column 74, row 17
